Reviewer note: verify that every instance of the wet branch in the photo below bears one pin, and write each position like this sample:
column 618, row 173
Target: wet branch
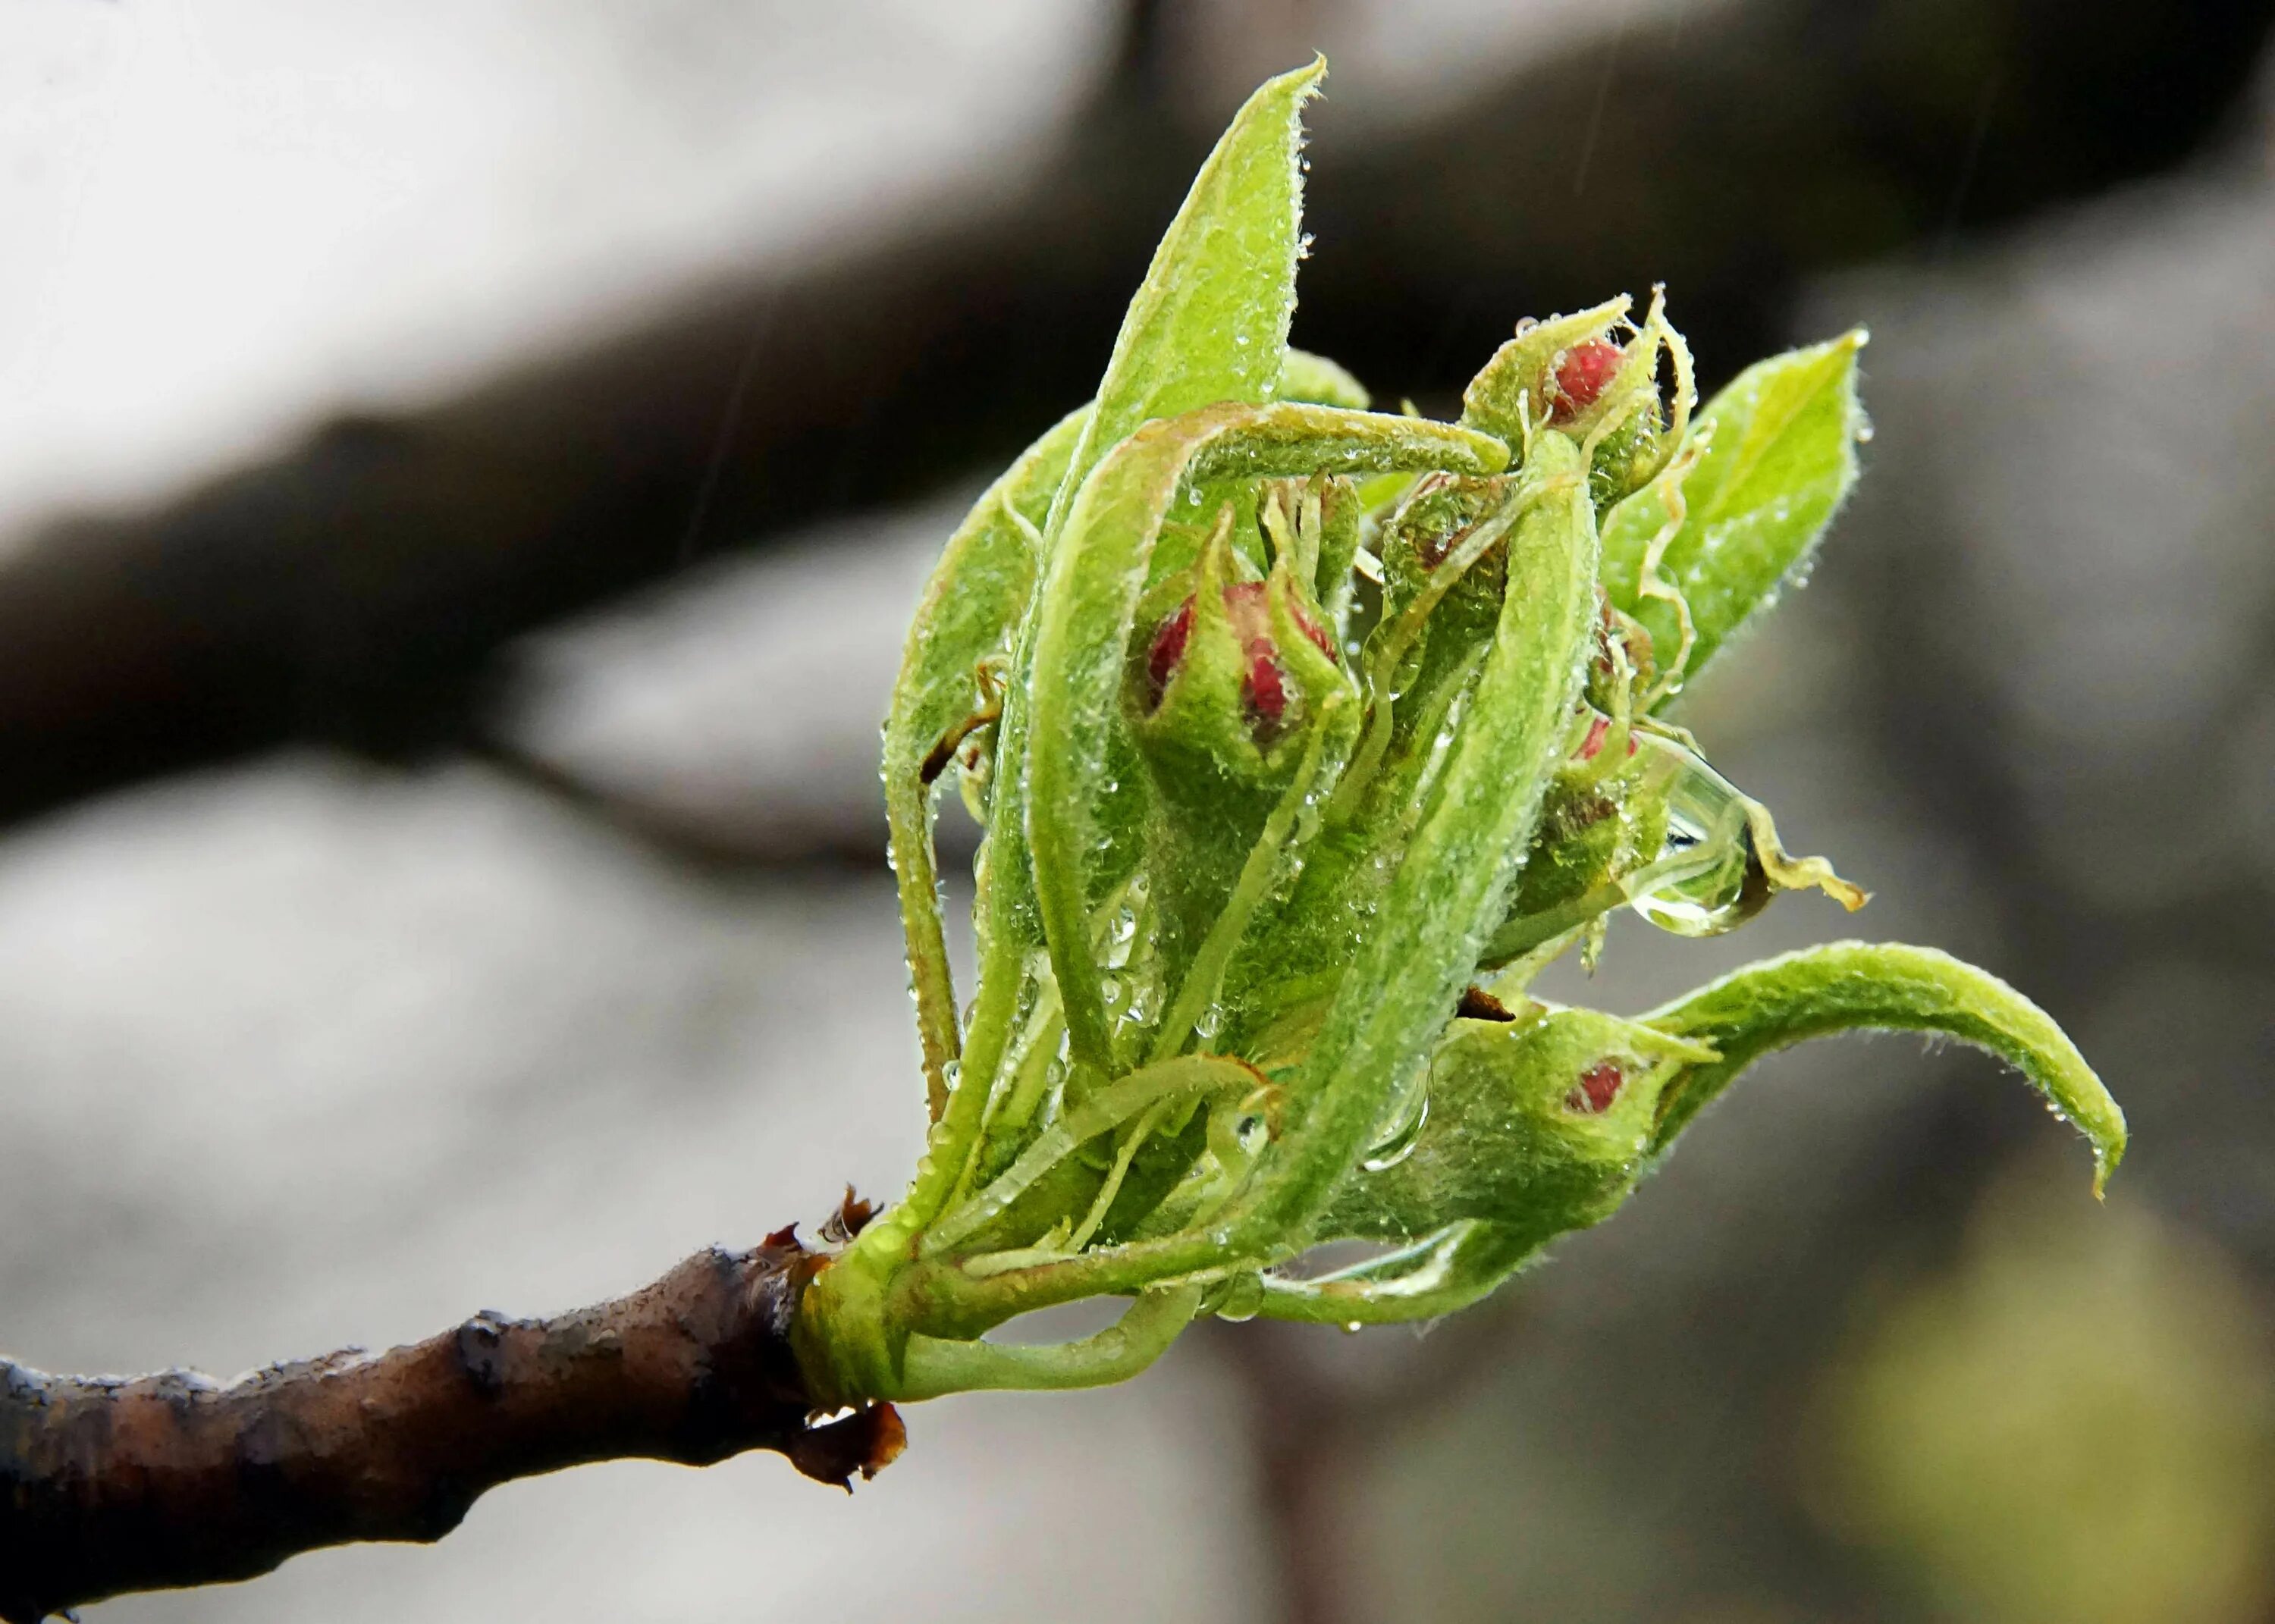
column 109, row 1485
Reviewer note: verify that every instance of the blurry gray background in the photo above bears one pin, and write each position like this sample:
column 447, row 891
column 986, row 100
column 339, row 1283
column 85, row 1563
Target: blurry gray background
column 464, row 468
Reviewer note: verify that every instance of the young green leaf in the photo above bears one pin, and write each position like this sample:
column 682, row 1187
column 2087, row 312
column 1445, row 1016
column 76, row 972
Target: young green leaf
column 968, row 617
column 1453, row 880
column 1848, row 986
column 1321, row 382
column 1210, row 321
column 1780, row 457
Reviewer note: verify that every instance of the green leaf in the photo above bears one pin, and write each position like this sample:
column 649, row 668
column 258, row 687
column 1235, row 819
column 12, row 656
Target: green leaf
column 1089, row 599
column 1321, row 382
column 1210, row 321
column 1846, row 986
column 1208, row 324
column 1451, row 884
column 969, row 615
column 1782, row 457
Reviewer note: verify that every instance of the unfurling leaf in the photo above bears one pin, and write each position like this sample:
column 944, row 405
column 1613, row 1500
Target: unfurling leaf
column 1880, row 986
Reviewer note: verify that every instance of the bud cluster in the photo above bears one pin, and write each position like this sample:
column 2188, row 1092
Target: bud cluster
column 1309, row 735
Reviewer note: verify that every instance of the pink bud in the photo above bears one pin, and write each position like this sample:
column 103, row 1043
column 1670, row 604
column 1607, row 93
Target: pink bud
column 1598, row 1087
column 1169, row 648
column 1581, row 374
column 1595, row 739
column 1248, row 609
column 1266, row 692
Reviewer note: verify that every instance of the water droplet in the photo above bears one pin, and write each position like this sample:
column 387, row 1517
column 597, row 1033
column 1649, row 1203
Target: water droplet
column 1351, row 1327
column 1391, row 1148
column 1243, row 1295
column 1864, row 433
column 1697, row 885
column 1120, row 934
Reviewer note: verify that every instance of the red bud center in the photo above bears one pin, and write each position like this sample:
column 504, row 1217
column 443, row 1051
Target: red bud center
column 1169, row 648
column 1598, row 1087
column 1593, row 744
column 1249, row 608
column 1581, row 373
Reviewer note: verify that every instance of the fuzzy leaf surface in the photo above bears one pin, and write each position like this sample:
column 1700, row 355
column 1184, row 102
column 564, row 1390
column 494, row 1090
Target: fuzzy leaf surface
column 1854, row 986
column 1209, row 323
column 1089, row 600
column 1782, row 456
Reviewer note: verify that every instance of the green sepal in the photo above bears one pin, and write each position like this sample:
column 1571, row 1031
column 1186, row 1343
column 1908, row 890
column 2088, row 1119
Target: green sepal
column 1511, row 1138
column 1779, row 455
column 1880, row 986
column 1510, row 395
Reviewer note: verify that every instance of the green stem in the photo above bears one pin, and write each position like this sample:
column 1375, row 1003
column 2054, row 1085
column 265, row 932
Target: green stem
column 934, row 1366
column 1433, row 1276
column 1108, row 1108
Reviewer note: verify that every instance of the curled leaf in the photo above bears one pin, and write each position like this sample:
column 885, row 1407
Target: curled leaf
column 1852, row 985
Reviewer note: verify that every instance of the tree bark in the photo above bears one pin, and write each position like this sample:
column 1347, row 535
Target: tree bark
column 109, row 1485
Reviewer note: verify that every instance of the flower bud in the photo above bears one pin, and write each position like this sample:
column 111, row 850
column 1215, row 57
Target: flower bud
column 1235, row 694
column 1634, row 817
column 1539, row 1120
column 1576, row 374
column 1233, row 670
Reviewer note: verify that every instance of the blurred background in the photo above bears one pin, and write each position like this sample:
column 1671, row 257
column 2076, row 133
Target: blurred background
column 465, row 465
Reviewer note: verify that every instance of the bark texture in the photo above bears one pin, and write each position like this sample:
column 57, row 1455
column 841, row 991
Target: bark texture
column 109, row 1485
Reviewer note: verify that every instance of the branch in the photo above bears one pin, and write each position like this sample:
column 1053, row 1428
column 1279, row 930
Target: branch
column 109, row 1485
column 357, row 589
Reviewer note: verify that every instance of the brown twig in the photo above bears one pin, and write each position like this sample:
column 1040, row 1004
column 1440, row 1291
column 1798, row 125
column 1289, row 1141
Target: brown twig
column 109, row 1485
